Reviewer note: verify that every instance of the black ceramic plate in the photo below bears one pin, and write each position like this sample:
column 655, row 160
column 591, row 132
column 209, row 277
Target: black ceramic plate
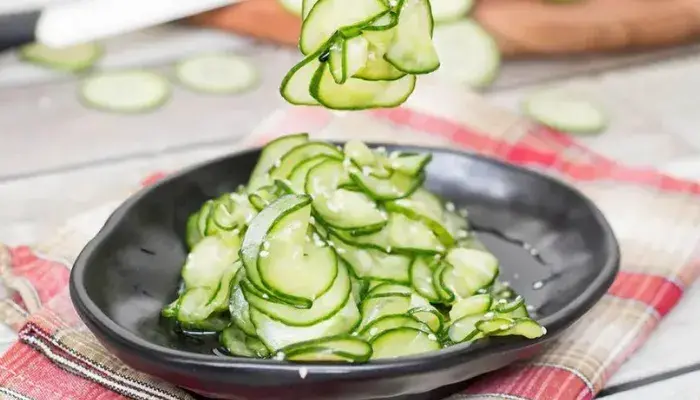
column 131, row 269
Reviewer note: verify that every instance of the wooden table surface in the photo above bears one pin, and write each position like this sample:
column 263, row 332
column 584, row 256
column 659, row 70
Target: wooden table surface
column 58, row 158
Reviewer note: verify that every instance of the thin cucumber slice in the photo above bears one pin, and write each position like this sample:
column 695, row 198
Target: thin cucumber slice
column 192, row 233
column 412, row 49
column 421, row 274
column 401, row 342
column 397, row 186
column 359, row 288
column 125, row 91
column 297, row 178
column 273, row 152
column 512, row 309
column 284, row 213
column 339, row 208
column 211, row 325
column 239, row 310
column 199, row 303
column 469, row 270
column 401, row 235
column 342, row 348
column 468, row 54
column 323, row 308
column 385, row 323
column 492, row 326
column 347, row 56
column 387, row 288
column 373, row 308
column 423, row 206
column 377, row 68
column 234, row 341
column 566, row 111
column 373, row 264
column 208, row 261
column 293, row 6
column 276, row 335
column 464, row 329
column 258, row 347
column 217, row 74
column 523, row 327
column 358, row 94
column 429, row 315
column 70, row 59
column 477, row 304
column 450, row 10
column 284, row 167
column 446, row 295
column 264, row 196
column 295, row 85
column 306, row 6
column 328, row 16
column 408, row 164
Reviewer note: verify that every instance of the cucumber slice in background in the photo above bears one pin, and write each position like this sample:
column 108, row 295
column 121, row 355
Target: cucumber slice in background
column 129, row 91
column 468, row 54
column 412, row 49
column 450, row 10
column 69, row 59
column 565, row 111
column 217, row 74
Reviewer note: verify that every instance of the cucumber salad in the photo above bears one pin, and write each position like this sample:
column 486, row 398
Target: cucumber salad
column 339, row 254
column 363, row 56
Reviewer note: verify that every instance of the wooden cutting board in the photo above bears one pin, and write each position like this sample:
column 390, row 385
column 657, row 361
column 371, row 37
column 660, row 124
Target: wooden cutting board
column 521, row 27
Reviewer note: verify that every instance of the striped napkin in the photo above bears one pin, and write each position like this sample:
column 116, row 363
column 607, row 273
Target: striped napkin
column 56, row 357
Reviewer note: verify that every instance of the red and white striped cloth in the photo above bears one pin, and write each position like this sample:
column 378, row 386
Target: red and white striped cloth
column 57, row 358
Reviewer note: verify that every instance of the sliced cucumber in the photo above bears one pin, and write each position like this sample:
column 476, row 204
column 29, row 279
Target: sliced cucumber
column 234, row 341
column 358, row 94
column 264, row 196
column 208, row 261
column 324, row 307
column 408, row 164
column 412, row 49
column 306, row 6
column 199, row 303
column 277, row 335
column 301, row 153
column 240, row 311
column 328, row 16
column 403, row 342
column 429, row 315
column 397, row 186
column 295, row 85
column 297, row 178
column 523, row 327
column 375, row 307
column 446, row 295
column 273, row 152
column 450, row 10
column 347, row 56
column 464, row 329
column 217, row 74
column 342, row 348
column 340, row 208
column 468, row 271
column 478, row 304
column 422, row 279
column 565, row 111
column 387, row 288
column 468, row 54
column 284, row 220
column 424, row 207
column 125, row 91
column 377, row 68
column 293, row 6
column 385, row 323
column 374, row 264
column 71, row 59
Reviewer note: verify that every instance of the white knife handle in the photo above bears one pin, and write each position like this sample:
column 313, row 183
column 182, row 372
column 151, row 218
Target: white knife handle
column 82, row 21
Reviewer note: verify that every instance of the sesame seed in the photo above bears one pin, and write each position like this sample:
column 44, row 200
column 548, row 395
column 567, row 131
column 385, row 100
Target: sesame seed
column 312, row 220
column 264, row 254
column 530, row 307
column 388, row 249
column 265, row 296
column 544, row 330
column 366, row 171
column 279, row 356
column 303, row 371
column 340, row 251
column 504, row 327
column 505, row 283
column 462, row 234
column 450, row 206
column 266, row 245
column 432, row 337
column 440, row 248
column 236, row 231
column 381, row 149
column 278, row 162
column 502, row 301
column 488, row 315
column 538, row 285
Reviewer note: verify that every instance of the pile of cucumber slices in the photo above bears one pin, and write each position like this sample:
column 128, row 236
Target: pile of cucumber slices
column 340, row 254
column 363, row 56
